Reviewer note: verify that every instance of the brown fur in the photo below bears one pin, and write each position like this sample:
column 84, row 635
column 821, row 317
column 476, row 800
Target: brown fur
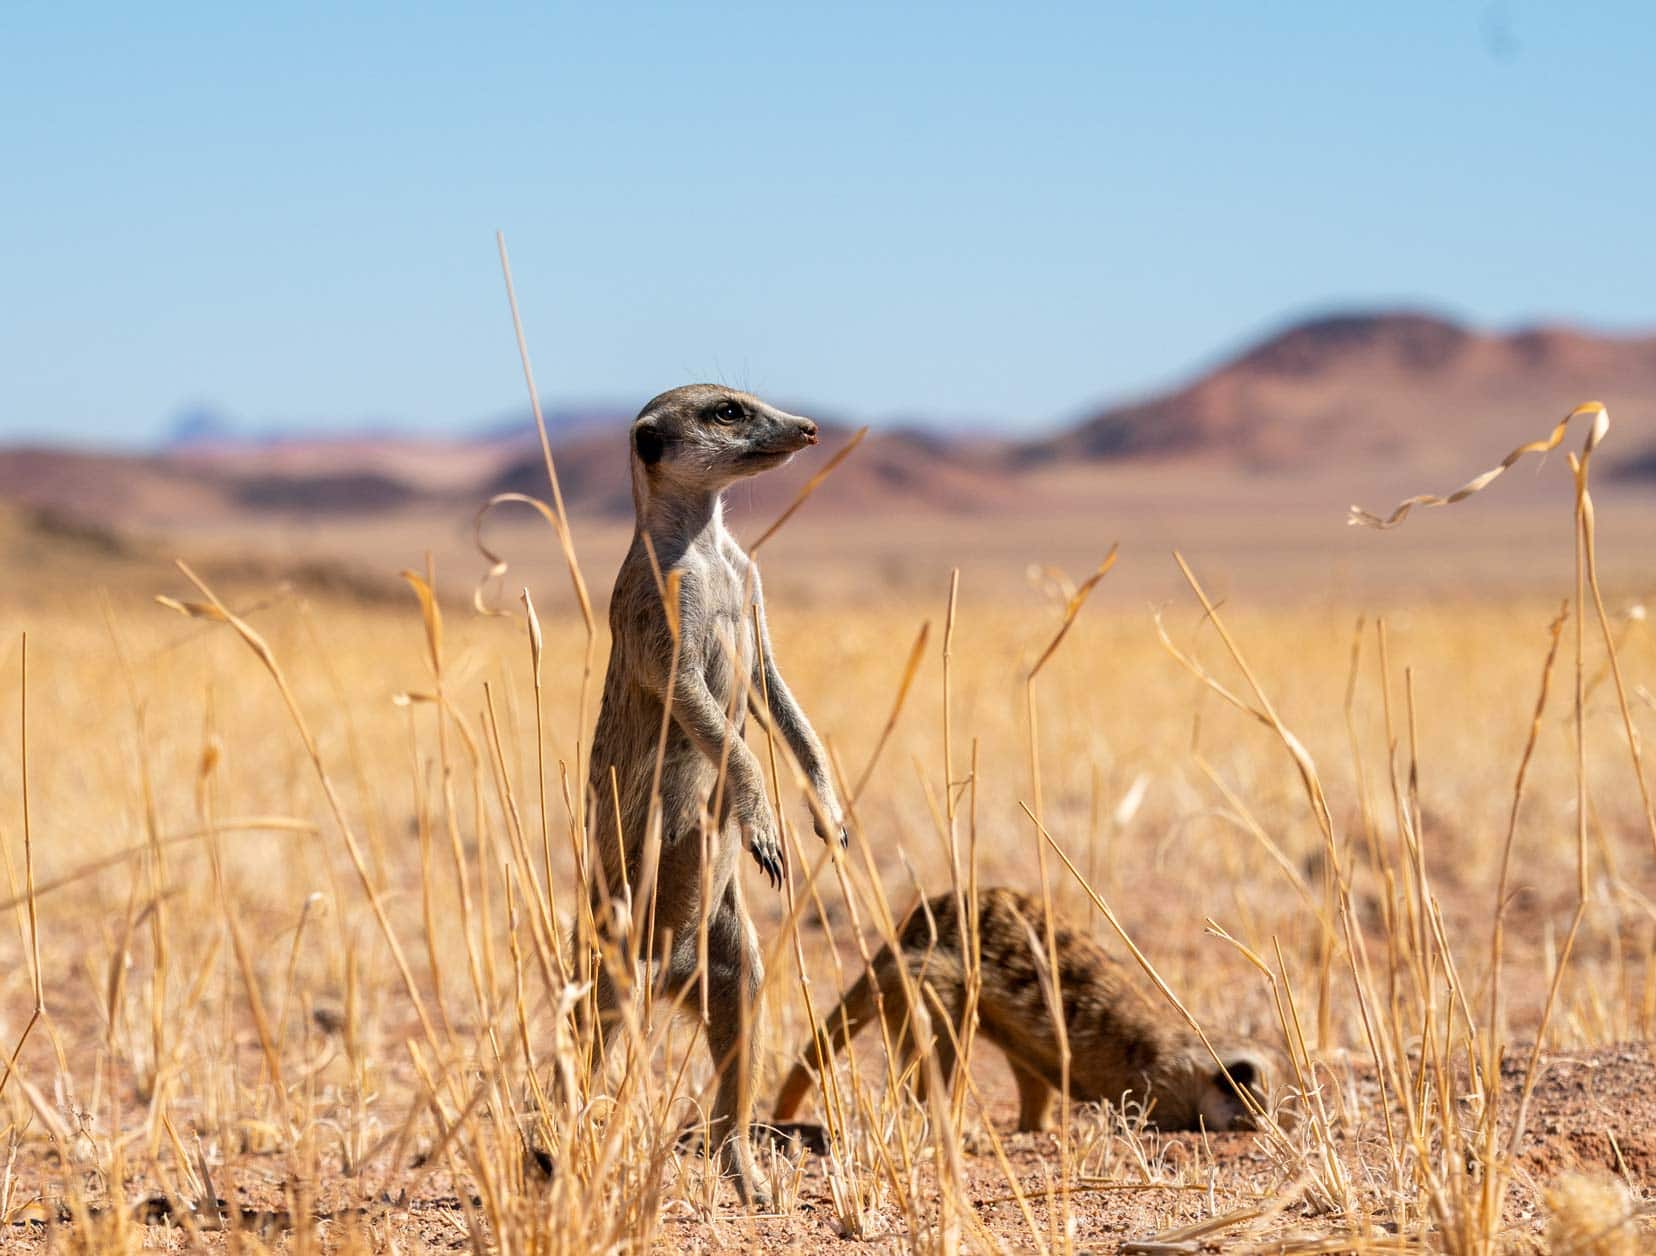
column 1124, row 1045
column 687, row 446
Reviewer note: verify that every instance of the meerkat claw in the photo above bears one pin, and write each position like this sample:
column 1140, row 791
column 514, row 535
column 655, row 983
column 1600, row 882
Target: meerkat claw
column 770, row 863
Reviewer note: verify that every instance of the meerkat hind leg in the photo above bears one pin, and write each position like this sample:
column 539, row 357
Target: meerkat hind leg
column 599, row 1013
column 735, row 971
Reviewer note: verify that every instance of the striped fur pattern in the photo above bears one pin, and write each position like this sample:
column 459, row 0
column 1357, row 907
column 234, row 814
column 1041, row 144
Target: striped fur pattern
column 1125, row 1043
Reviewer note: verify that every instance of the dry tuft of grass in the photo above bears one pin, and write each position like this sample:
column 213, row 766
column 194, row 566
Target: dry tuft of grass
column 1594, row 1215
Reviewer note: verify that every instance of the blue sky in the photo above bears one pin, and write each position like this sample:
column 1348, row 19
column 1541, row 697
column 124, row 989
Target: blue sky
column 973, row 212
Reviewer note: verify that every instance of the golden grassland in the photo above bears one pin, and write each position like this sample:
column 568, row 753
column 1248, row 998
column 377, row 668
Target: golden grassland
column 296, row 893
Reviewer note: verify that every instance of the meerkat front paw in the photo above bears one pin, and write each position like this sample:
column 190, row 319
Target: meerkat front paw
column 829, row 820
column 759, row 836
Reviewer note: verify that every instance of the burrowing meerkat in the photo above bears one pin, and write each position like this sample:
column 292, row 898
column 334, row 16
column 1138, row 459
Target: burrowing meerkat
column 688, row 445
column 1123, row 1046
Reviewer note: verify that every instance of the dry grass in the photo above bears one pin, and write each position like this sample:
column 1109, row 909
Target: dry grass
column 303, row 885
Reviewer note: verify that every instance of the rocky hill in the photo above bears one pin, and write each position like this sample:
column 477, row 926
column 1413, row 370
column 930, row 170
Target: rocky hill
column 1402, row 389
column 1406, row 392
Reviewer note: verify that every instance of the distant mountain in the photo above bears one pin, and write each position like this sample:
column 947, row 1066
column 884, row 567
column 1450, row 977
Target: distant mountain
column 1403, row 391
column 206, row 430
column 200, row 424
column 1401, row 388
column 1640, row 467
column 127, row 490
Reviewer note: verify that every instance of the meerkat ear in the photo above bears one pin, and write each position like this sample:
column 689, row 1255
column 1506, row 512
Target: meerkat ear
column 649, row 442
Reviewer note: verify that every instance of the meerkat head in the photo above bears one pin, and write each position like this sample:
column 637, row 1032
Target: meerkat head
column 702, row 437
column 1188, row 1090
column 1219, row 1100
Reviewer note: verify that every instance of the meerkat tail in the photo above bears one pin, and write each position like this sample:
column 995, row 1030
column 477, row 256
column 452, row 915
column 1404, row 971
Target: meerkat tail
column 841, row 1025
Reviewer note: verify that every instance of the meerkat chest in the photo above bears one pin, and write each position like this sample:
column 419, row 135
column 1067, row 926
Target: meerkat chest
column 727, row 601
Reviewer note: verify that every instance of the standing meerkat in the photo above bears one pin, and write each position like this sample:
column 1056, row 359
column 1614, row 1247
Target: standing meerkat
column 688, row 445
column 1122, row 1044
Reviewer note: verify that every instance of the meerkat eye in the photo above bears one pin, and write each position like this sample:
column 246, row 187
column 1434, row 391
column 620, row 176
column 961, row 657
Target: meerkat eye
column 728, row 412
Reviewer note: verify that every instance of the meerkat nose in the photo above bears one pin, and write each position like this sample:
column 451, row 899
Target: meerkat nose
column 810, row 430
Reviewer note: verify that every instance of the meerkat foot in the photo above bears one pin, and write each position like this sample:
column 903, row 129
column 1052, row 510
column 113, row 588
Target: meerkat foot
column 828, row 819
column 827, row 832
column 739, row 1166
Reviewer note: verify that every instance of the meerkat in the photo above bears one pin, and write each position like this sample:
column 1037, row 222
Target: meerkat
column 1123, row 1046
column 687, row 446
